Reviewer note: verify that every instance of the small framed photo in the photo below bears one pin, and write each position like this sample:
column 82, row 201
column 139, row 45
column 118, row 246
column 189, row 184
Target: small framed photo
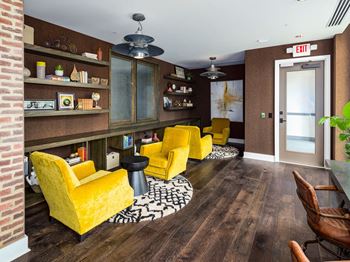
column 180, row 72
column 65, row 101
column 39, row 104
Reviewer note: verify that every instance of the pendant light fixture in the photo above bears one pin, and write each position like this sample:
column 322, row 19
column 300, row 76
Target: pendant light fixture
column 213, row 71
column 138, row 44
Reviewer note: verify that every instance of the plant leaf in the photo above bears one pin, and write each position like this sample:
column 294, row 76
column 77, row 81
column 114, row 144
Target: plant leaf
column 323, row 119
column 343, row 136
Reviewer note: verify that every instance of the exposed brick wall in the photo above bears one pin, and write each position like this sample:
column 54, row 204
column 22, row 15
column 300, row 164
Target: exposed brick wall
column 11, row 122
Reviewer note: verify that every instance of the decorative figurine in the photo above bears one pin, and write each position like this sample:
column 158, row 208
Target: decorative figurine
column 96, row 97
column 74, row 76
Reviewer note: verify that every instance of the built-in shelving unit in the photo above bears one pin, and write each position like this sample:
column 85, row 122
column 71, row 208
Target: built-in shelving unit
column 170, row 77
column 178, row 94
column 178, row 108
column 47, row 113
column 62, row 54
column 38, row 81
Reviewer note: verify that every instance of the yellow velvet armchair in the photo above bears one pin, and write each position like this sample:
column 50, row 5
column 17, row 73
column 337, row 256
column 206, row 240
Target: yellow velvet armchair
column 78, row 196
column 199, row 147
column 169, row 158
column 219, row 129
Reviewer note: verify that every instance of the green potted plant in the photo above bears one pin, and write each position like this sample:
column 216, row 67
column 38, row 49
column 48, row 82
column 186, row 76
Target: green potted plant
column 343, row 124
column 59, row 70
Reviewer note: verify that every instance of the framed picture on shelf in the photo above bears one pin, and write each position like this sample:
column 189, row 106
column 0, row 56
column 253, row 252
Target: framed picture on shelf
column 166, row 102
column 39, row 104
column 180, row 72
column 65, row 101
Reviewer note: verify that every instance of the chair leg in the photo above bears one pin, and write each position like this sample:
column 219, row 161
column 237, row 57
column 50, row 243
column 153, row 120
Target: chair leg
column 304, row 245
column 82, row 237
column 51, row 220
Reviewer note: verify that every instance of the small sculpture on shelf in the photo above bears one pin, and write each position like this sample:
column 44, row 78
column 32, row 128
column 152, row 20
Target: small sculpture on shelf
column 155, row 137
column 96, row 97
column 74, row 76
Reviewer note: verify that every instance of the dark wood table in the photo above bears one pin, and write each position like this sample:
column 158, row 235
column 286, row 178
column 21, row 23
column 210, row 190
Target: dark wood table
column 340, row 177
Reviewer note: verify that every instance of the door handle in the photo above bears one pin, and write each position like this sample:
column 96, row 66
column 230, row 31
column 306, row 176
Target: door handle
column 282, row 120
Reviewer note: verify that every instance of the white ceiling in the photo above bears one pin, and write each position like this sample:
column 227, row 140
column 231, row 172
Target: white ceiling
column 192, row 30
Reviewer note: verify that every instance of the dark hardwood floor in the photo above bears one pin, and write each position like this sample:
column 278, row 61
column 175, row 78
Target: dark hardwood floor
column 241, row 210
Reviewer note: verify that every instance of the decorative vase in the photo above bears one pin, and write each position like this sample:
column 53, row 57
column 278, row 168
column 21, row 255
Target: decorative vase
column 99, row 54
column 74, row 76
column 26, row 72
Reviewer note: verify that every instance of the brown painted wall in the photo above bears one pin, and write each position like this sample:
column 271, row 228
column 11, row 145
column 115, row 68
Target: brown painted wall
column 341, row 83
column 202, row 99
column 259, row 93
column 39, row 128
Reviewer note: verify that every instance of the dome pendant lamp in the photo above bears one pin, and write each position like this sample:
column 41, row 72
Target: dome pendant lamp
column 213, row 71
column 138, row 44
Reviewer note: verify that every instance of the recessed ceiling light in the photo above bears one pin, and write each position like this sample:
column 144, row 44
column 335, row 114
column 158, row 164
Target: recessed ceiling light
column 261, row 41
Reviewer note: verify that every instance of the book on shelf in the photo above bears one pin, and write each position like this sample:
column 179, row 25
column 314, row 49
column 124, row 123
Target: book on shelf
column 89, row 55
column 83, row 76
column 58, row 78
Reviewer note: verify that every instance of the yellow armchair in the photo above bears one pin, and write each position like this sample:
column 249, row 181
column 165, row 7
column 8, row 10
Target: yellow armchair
column 78, row 196
column 199, row 147
column 219, row 129
column 167, row 159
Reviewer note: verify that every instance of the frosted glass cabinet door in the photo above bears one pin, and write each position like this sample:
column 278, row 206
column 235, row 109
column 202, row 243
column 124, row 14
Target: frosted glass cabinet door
column 121, row 90
column 300, row 100
column 145, row 92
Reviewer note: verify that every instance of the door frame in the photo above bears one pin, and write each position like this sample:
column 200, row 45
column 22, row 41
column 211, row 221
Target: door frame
column 327, row 99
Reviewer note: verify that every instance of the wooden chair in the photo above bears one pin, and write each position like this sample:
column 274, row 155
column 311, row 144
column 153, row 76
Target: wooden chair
column 329, row 224
column 297, row 253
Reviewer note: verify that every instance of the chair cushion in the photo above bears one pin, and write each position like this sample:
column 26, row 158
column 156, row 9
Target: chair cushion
column 158, row 160
column 333, row 230
column 94, row 176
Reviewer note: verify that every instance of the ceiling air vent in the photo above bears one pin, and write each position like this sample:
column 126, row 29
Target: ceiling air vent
column 340, row 13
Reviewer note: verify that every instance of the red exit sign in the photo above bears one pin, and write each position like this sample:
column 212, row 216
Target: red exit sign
column 301, row 50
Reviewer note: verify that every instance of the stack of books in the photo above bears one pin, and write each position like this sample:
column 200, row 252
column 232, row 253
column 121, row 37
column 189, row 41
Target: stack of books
column 73, row 161
column 90, row 55
column 83, row 76
column 58, row 78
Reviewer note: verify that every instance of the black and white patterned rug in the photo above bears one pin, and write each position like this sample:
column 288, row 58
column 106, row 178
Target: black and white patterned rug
column 162, row 199
column 223, row 152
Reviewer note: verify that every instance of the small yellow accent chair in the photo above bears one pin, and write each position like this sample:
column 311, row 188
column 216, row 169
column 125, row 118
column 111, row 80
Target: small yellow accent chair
column 168, row 158
column 78, row 196
column 199, row 147
column 220, row 130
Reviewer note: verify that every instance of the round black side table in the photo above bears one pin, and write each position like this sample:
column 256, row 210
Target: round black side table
column 135, row 166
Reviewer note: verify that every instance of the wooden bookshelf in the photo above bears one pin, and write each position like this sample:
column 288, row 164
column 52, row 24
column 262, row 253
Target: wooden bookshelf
column 178, row 108
column 50, row 113
column 62, row 54
column 170, row 77
column 38, row 81
column 178, row 94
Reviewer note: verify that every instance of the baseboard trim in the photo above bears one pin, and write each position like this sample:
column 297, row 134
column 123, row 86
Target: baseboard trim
column 236, row 140
column 256, row 156
column 14, row 250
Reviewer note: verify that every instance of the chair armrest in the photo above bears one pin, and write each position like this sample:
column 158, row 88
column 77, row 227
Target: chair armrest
column 92, row 190
column 147, row 150
column 226, row 132
column 326, row 187
column 84, row 169
column 178, row 155
column 346, row 217
column 207, row 129
column 208, row 139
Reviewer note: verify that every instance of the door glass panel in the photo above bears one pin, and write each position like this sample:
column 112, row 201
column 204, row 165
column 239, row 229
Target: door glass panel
column 300, row 102
column 145, row 92
column 121, row 90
